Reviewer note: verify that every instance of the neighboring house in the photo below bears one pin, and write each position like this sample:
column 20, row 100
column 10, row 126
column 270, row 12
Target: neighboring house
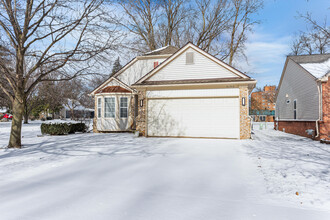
column 262, row 106
column 174, row 92
column 74, row 107
column 303, row 102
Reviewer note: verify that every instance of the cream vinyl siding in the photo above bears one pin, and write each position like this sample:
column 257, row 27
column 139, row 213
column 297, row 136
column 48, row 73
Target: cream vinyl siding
column 193, row 93
column 113, row 83
column 137, row 70
column 298, row 84
column 202, row 68
column 194, row 117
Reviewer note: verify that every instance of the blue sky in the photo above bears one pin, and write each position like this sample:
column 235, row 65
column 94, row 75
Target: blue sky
column 268, row 46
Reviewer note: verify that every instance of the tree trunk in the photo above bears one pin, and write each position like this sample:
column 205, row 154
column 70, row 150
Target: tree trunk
column 26, row 118
column 26, row 114
column 72, row 114
column 16, row 125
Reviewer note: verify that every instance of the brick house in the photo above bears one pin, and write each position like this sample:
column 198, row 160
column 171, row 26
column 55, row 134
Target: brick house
column 173, row 92
column 303, row 102
column 262, row 106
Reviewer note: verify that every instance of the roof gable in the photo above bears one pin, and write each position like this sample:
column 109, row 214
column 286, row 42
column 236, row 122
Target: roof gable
column 111, row 82
column 113, row 89
column 205, row 67
column 291, row 63
column 318, row 65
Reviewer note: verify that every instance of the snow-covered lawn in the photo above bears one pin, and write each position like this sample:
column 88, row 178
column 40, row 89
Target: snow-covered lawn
column 118, row 176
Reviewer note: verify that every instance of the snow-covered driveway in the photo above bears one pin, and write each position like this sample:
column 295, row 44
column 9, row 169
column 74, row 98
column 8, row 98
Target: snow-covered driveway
column 117, row 176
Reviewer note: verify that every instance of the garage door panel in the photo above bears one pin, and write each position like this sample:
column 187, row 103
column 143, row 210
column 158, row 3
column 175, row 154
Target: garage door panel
column 207, row 117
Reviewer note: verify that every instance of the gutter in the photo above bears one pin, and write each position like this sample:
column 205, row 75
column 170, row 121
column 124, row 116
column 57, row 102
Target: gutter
column 320, row 111
column 197, row 84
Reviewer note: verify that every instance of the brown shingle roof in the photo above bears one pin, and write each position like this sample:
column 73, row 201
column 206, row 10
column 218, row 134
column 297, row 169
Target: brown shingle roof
column 110, row 89
column 314, row 58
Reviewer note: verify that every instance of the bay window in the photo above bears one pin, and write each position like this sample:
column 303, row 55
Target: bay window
column 109, row 107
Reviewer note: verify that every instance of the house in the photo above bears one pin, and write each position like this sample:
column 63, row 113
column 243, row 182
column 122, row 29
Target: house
column 303, row 102
column 73, row 109
column 262, row 106
column 173, row 92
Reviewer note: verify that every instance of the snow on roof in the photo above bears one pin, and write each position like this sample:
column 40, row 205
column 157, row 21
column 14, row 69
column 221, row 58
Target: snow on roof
column 159, row 49
column 163, row 50
column 3, row 110
column 317, row 69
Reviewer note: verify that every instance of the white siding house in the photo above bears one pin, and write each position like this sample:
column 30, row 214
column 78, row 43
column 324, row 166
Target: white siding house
column 185, row 93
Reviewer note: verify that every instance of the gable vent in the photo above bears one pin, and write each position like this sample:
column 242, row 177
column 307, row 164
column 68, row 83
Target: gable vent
column 189, row 58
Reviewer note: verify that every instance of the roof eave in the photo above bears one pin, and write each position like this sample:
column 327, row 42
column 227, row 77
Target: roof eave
column 245, row 82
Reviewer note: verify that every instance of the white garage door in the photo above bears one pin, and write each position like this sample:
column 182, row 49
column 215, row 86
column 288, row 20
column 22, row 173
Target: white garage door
column 198, row 117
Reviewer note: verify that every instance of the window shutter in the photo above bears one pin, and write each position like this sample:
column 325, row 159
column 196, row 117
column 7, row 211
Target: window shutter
column 189, row 58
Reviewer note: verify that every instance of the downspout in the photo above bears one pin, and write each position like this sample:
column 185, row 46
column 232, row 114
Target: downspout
column 320, row 111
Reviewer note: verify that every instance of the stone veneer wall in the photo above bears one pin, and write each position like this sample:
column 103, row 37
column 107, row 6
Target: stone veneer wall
column 325, row 124
column 95, row 116
column 141, row 117
column 245, row 120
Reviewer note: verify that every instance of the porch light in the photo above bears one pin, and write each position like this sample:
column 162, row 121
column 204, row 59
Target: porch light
column 243, row 101
column 141, row 103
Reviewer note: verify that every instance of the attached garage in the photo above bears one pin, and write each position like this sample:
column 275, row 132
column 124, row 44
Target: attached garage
column 212, row 113
column 198, row 117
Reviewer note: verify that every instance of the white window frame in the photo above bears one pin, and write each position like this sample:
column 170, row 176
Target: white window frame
column 120, row 107
column 114, row 107
column 99, row 107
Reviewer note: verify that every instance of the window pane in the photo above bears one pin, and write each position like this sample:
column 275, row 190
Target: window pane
column 123, row 107
column 99, row 104
column 123, row 112
column 109, row 107
column 123, row 102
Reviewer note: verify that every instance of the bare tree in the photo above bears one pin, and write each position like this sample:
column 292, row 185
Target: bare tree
column 72, row 94
column 315, row 40
column 32, row 101
column 241, row 24
column 211, row 22
column 176, row 13
column 140, row 19
column 322, row 27
column 45, row 36
column 219, row 27
column 51, row 94
column 296, row 47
